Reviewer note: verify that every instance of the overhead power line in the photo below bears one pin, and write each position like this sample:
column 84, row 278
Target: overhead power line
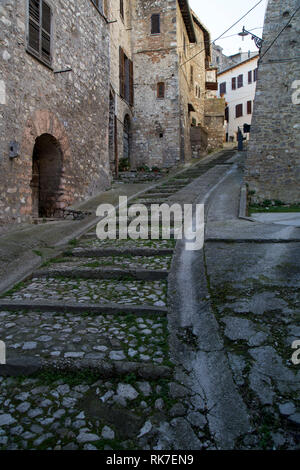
column 228, row 29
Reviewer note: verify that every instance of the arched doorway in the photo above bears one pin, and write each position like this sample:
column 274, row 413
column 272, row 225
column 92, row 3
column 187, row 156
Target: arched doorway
column 126, row 138
column 47, row 160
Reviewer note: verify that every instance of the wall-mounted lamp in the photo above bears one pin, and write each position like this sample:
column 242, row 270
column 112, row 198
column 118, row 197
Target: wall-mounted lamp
column 258, row 41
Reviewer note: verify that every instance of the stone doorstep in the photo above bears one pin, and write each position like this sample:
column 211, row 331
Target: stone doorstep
column 77, row 308
column 106, row 252
column 104, row 273
column 22, row 366
column 251, row 240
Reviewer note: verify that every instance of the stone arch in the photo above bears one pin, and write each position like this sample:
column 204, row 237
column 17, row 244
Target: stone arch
column 41, row 129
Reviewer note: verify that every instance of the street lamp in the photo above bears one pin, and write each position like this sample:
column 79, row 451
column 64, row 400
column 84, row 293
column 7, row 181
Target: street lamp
column 258, row 41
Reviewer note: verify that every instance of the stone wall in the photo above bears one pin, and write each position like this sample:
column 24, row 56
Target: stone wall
column 72, row 107
column 273, row 163
column 214, row 122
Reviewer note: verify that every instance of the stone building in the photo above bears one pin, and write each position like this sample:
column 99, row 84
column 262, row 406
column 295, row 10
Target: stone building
column 54, row 82
column 273, row 163
column 160, row 55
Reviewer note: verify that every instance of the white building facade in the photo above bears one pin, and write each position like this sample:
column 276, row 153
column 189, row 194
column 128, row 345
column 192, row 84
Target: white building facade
column 237, row 85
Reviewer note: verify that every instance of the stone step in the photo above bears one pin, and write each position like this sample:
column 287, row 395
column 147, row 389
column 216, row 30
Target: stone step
column 103, row 252
column 103, row 273
column 76, row 308
column 28, row 366
column 95, row 291
column 159, row 195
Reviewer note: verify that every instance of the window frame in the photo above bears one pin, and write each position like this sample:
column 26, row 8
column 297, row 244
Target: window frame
column 240, row 81
column 33, row 52
column 250, row 77
column 158, row 96
column 239, row 107
column 233, row 83
column 152, row 23
column 249, row 107
column 223, row 84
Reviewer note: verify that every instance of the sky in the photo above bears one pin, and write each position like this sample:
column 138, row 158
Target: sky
column 218, row 15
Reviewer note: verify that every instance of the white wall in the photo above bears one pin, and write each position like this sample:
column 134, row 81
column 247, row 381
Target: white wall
column 238, row 96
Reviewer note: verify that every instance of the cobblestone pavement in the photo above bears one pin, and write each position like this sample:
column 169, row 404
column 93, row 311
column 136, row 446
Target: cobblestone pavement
column 56, row 408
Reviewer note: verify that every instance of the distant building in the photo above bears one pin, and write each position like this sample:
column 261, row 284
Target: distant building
column 237, row 84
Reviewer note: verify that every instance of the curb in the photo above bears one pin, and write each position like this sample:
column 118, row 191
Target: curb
column 109, row 308
column 28, row 366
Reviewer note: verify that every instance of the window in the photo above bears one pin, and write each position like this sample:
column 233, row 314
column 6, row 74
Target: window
column 233, row 83
column 122, row 8
column 126, row 78
column 192, row 75
column 40, row 30
column 227, row 114
column 239, row 110
column 255, row 73
column 249, row 107
column 250, row 77
column 223, row 88
column 160, row 90
column 240, row 81
column 184, row 44
column 155, row 23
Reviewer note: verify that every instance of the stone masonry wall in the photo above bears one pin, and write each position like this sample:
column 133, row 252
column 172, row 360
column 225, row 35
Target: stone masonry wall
column 273, row 163
column 156, row 135
column 72, row 106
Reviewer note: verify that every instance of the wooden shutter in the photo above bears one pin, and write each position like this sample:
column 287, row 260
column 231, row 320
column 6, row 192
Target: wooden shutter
column 249, row 107
column 46, row 32
column 122, row 73
column 161, row 90
column 155, row 23
column 250, row 76
column 233, row 83
column 239, row 110
column 223, row 88
column 240, row 81
column 34, row 25
column 131, row 84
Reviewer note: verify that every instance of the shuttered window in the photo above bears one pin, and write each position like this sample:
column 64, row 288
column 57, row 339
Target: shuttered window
column 233, row 83
column 250, row 76
column 155, row 23
column 39, row 30
column 255, row 75
column 239, row 111
column 249, row 107
column 240, row 81
column 161, row 90
column 126, row 78
column 223, row 88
